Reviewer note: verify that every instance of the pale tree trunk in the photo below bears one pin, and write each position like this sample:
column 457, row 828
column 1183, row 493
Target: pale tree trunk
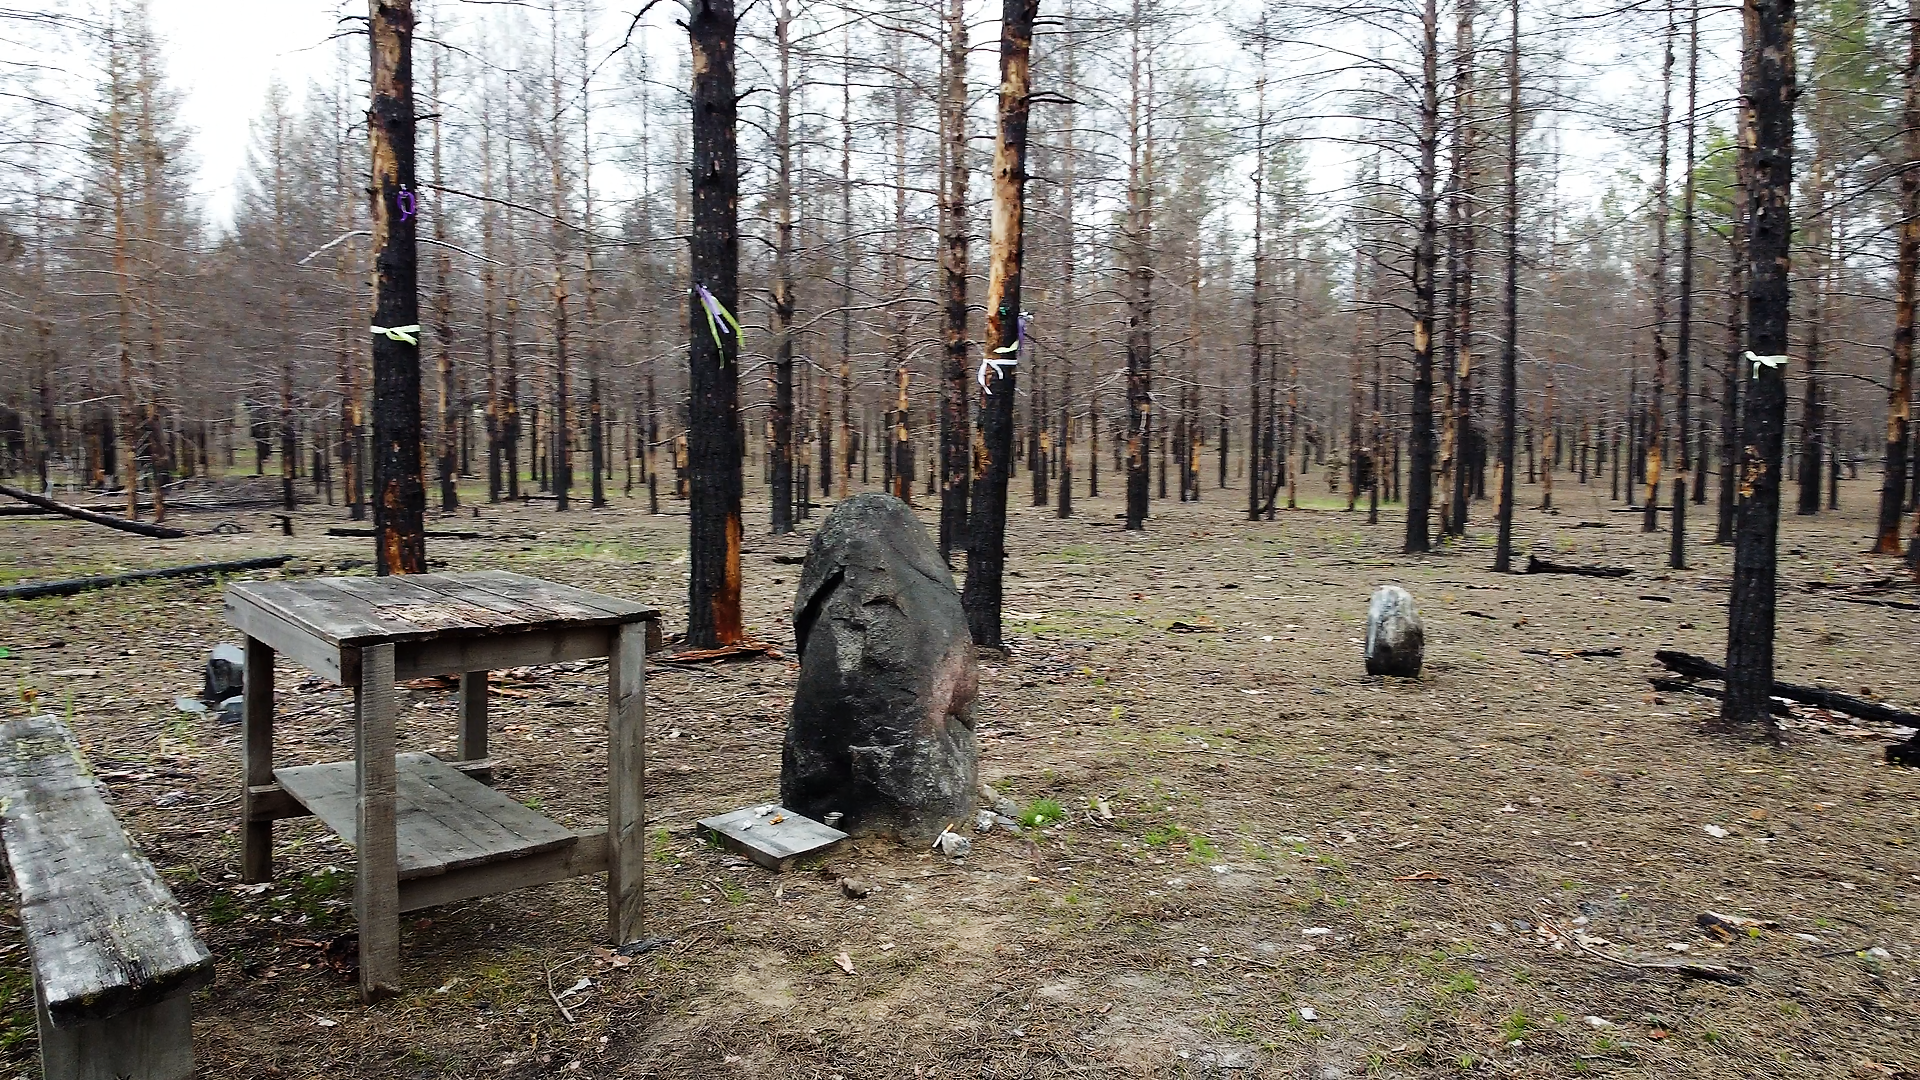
column 783, row 305
column 1677, row 555
column 560, row 427
column 1662, row 209
column 444, row 446
column 590, row 291
column 1259, row 295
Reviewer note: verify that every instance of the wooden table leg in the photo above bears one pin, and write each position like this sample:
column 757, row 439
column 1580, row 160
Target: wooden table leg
column 376, row 897
column 626, row 773
column 256, row 751
column 473, row 722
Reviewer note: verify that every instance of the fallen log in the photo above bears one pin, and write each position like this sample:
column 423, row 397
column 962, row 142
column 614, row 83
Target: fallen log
column 70, row 586
column 1685, row 686
column 1699, row 667
column 431, row 535
column 1537, row 565
column 158, row 532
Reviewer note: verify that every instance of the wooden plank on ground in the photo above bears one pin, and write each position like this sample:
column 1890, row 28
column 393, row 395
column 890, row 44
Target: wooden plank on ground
column 771, row 835
column 106, row 934
column 444, row 819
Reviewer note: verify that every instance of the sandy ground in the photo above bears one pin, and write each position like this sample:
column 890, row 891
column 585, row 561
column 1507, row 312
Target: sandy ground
column 1269, row 865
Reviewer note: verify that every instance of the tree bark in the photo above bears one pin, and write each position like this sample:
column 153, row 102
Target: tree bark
column 1139, row 280
column 783, row 304
column 1420, row 432
column 1677, row 555
column 1906, row 278
column 444, row 448
column 715, row 441
column 956, row 437
column 1510, row 336
column 400, row 495
column 987, row 522
column 1767, row 131
column 1656, row 432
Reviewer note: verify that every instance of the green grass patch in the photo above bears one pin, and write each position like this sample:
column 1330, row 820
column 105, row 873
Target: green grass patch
column 1042, row 812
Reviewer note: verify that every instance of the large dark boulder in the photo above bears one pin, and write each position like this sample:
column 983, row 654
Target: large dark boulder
column 882, row 724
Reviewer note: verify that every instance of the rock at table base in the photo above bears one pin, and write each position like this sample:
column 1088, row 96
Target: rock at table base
column 882, row 725
column 1396, row 642
column 226, row 666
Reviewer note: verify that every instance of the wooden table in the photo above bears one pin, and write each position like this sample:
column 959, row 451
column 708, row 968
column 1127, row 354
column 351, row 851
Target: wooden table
column 425, row 831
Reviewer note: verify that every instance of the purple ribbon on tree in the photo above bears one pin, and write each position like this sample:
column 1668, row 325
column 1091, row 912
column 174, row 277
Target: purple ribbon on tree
column 408, row 204
column 718, row 317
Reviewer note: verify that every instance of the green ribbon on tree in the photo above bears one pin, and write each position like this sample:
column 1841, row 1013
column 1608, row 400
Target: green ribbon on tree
column 716, row 311
column 398, row 333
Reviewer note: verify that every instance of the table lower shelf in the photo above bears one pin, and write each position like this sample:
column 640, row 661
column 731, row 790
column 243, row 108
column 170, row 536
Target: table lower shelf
column 445, row 820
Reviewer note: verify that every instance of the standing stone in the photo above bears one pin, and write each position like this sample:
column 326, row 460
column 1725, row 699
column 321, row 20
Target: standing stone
column 1395, row 640
column 882, row 723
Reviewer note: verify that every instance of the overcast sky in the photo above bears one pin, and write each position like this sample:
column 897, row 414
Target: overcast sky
column 222, row 68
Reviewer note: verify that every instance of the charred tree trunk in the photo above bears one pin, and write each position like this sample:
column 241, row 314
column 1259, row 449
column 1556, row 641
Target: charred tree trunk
column 399, row 488
column 956, row 437
column 987, row 523
column 1139, row 281
column 1420, row 433
column 1767, row 132
column 1906, row 279
column 715, row 445
column 1510, row 336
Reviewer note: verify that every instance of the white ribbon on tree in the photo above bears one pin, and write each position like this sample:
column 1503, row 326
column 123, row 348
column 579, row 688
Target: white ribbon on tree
column 1010, row 354
column 1774, row 362
column 398, row 333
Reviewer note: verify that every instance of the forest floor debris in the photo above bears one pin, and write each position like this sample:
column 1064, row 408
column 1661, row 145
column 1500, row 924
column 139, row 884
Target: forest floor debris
column 1296, row 794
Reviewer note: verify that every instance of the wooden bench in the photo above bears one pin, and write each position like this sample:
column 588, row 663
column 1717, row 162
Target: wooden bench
column 114, row 959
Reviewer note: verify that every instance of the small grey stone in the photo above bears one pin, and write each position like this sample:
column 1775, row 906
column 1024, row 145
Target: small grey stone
column 233, row 709
column 189, row 705
column 953, row 845
column 855, row 888
column 226, row 667
column 1396, row 642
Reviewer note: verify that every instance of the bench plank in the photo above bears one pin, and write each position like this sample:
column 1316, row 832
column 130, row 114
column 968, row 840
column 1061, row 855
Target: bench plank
column 106, row 935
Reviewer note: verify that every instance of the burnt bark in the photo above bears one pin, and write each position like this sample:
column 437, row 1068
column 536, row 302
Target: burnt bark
column 1420, row 433
column 399, row 489
column 1510, row 332
column 987, row 524
column 955, row 431
column 1907, row 270
column 715, row 444
column 1767, row 131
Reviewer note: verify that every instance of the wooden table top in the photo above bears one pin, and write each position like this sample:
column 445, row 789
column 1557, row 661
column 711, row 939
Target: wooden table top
column 359, row 611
